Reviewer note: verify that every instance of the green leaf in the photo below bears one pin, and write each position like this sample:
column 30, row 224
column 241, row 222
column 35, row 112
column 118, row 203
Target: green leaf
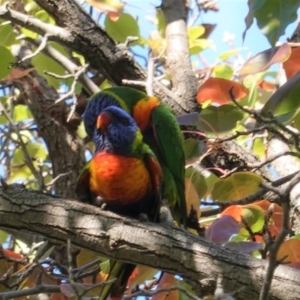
column 219, row 120
column 26, row 136
column 195, row 32
column 35, row 151
column 222, row 71
column 5, row 62
column 284, row 103
column 29, row 33
column 272, row 17
column 161, row 22
column 225, row 55
column 105, row 266
column 79, row 57
column 3, row 119
column 125, row 26
column 19, row 170
column 254, row 5
column 43, row 63
column 45, row 17
column 21, row 113
column 259, row 147
column 192, row 148
column 236, row 186
column 18, row 173
column 198, row 181
column 199, row 45
column 81, row 131
column 7, row 34
column 3, row 236
column 254, row 217
column 31, row 7
column 297, row 120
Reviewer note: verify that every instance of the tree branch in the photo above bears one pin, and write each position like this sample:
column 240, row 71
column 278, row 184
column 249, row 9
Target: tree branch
column 286, row 165
column 169, row 249
column 178, row 56
column 65, row 148
column 100, row 51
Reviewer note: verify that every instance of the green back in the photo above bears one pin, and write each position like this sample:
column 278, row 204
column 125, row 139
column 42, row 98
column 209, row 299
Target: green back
column 171, row 156
column 127, row 97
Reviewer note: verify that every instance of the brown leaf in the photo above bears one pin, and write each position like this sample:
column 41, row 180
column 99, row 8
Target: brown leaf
column 112, row 7
column 265, row 85
column 292, row 65
column 217, row 90
column 263, row 60
column 17, row 74
column 209, row 28
column 167, row 280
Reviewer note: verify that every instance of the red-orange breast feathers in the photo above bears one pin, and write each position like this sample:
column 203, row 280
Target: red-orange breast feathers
column 119, row 178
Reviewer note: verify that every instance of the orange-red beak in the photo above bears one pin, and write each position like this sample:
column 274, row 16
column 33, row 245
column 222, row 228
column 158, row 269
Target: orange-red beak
column 103, row 121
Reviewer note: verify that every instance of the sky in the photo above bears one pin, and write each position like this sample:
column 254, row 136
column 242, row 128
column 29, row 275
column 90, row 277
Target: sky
column 229, row 20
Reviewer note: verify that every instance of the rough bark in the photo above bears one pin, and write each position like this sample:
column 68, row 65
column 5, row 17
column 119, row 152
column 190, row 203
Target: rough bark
column 169, row 249
column 65, row 148
column 79, row 32
column 178, row 57
column 284, row 166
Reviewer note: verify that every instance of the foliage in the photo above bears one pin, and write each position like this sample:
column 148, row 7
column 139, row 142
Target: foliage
column 240, row 102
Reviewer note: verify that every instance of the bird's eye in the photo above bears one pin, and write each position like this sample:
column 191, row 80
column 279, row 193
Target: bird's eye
column 124, row 121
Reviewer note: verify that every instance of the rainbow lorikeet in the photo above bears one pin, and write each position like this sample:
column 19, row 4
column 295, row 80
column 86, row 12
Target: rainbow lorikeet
column 125, row 175
column 124, row 172
column 160, row 131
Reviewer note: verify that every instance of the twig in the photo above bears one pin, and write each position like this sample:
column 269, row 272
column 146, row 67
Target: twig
column 57, row 76
column 30, row 291
column 34, row 24
column 150, row 75
column 69, row 65
column 76, row 75
column 134, row 82
column 71, row 92
column 36, row 52
column 266, row 187
column 57, row 177
column 129, row 40
column 285, row 229
column 239, row 133
column 269, row 120
column 28, row 160
column 268, row 161
column 148, row 293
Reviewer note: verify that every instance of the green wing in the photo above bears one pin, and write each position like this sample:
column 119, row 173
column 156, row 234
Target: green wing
column 171, row 157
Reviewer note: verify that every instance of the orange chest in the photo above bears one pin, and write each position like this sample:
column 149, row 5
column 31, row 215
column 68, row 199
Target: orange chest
column 119, row 178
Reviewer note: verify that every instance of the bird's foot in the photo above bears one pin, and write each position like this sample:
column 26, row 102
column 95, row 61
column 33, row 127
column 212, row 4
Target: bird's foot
column 143, row 218
column 99, row 201
column 165, row 216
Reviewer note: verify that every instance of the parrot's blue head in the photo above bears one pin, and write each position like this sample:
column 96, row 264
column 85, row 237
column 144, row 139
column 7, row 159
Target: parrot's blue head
column 116, row 131
column 94, row 108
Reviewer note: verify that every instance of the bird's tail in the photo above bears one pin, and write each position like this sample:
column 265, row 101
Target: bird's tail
column 121, row 271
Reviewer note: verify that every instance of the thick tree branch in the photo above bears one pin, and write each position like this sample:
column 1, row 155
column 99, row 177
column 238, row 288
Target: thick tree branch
column 169, row 249
column 66, row 150
column 70, row 66
column 284, row 166
column 79, row 32
column 178, row 56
